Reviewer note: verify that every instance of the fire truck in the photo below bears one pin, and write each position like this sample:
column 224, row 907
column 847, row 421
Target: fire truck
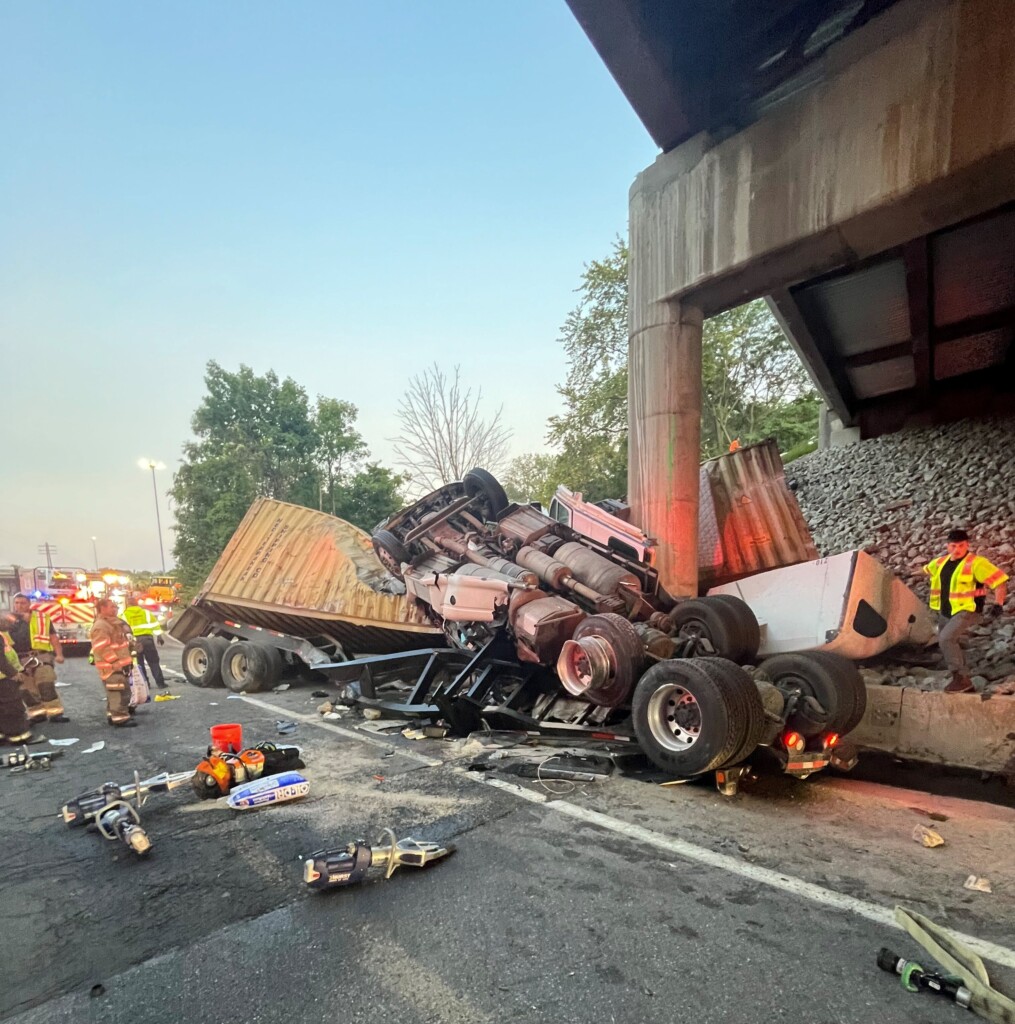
column 64, row 593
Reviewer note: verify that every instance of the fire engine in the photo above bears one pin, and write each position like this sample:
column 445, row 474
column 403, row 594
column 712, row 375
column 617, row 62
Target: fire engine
column 64, row 593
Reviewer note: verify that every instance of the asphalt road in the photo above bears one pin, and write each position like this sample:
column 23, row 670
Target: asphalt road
column 615, row 901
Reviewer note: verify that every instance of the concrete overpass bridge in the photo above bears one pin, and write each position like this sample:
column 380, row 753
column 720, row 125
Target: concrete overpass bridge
column 851, row 160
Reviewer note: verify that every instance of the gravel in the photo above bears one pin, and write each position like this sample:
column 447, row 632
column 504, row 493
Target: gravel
column 897, row 496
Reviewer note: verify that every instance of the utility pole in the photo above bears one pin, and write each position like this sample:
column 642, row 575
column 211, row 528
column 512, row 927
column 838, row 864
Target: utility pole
column 48, row 550
column 95, row 553
column 153, row 465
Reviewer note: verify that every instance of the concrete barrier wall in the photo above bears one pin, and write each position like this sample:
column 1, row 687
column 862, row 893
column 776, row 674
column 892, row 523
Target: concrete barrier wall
column 958, row 729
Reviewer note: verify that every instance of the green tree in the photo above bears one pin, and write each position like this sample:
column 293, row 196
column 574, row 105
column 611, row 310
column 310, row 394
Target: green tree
column 753, row 384
column 591, row 433
column 532, row 477
column 257, row 436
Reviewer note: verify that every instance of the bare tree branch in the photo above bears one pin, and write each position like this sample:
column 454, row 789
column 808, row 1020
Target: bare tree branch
column 443, row 434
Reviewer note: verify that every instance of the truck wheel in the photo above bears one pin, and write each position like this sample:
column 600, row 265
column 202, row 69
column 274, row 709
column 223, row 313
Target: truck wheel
column 627, row 656
column 716, row 622
column 817, row 678
column 391, row 552
column 479, row 481
column 747, row 623
column 685, row 722
column 850, row 680
column 202, row 658
column 251, row 667
column 742, row 689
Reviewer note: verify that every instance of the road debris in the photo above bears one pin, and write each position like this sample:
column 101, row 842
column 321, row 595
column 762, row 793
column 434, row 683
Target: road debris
column 166, row 696
column 330, row 869
column 95, row 747
column 285, row 727
column 320, row 694
column 65, row 742
column 281, row 688
column 977, row 884
column 927, row 836
column 426, row 732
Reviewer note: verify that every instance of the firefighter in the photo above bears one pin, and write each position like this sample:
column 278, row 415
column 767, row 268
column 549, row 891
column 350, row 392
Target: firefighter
column 147, row 630
column 111, row 649
column 14, row 726
column 958, row 592
column 38, row 647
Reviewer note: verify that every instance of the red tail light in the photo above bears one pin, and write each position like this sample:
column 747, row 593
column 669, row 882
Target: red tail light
column 793, row 742
column 831, row 740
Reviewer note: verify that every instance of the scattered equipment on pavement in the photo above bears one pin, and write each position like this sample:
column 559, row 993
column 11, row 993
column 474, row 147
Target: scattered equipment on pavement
column 83, row 809
column 272, row 789
column 25, row 759
column 915, row 979
column 119, row 821
column 329, row 869
column 217, row 774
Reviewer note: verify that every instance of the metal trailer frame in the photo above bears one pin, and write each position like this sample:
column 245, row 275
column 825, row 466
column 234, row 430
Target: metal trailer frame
column 313, row 655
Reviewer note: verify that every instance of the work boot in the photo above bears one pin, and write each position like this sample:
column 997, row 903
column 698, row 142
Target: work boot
column 129, row 724
column 59, row 718
column 960, row 683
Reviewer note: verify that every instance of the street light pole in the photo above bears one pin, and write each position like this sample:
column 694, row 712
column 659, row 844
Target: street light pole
column 95, row 554
column 153, row 465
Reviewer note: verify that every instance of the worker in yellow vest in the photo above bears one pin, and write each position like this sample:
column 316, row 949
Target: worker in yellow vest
column 37, row 645
column 147, row 630
column 959, row 582
column 14, row 727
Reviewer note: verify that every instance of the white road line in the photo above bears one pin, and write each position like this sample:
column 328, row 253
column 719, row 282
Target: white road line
column 789, row 884
column 766, row 876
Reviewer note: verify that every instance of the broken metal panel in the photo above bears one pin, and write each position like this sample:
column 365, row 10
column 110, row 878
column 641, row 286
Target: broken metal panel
column 883, row 378
column 748, row 519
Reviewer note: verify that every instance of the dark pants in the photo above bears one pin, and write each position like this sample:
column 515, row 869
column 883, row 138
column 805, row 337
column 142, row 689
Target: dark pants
column 148, row 653
column 13, row 720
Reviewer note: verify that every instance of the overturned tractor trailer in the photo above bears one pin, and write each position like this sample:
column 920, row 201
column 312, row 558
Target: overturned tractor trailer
column 487, row 614
column 294, row 590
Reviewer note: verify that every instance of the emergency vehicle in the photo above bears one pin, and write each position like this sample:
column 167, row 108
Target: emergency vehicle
column 64, row 594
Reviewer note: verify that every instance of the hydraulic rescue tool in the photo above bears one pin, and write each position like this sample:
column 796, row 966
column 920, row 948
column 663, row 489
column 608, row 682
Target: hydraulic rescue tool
column 24, row 759
column 915, row 979
column 328, row 869
column 84, row 809
column 118, row 820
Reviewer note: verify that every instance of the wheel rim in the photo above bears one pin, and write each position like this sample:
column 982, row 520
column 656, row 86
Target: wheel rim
column 388, row 561
column 674, row 717
column 694, row 628
column 238, row 665
column 584, row 665
column 197, row 662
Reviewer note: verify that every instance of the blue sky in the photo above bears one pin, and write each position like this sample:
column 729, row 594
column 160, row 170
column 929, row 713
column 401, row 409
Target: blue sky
column 342, row 192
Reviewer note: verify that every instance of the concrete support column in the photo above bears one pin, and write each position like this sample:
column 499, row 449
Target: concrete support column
column 664, row 396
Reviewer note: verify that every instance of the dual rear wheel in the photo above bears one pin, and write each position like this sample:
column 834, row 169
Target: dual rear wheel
column 243, row 666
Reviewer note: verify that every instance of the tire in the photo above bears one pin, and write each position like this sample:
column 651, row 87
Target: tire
column 479, row 481
column 742, row 689
column 818, row 678
column 629, row 654
column 747, row 621
column 717, row 622
column 202, row 661
column 850, row 679
column 713, row 726
column 390, row 551
column 251, row 667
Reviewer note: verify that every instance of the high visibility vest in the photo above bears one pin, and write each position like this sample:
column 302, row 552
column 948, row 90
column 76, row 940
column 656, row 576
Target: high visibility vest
column 9, row 653
column 141, row 621
column 970, row 580
column 41, row 626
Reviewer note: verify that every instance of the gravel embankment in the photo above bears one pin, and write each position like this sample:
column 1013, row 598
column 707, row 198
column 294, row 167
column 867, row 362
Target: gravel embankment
column 897, row 497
